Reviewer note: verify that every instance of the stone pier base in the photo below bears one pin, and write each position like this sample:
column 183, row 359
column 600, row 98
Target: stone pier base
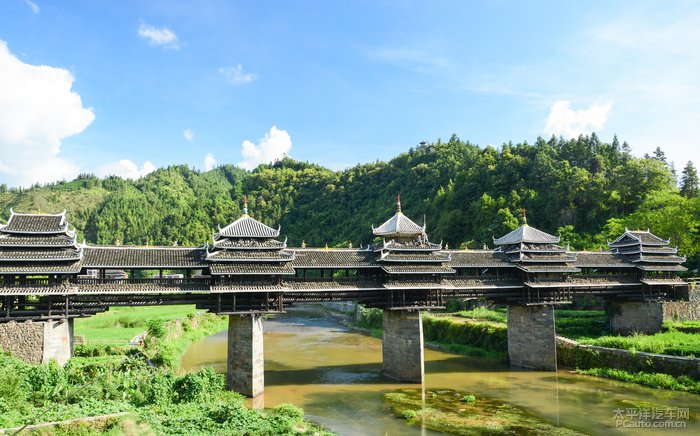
column 38, row 342
column 531, row 337
column 245, row 370
column 641, row 317
column 402, row 346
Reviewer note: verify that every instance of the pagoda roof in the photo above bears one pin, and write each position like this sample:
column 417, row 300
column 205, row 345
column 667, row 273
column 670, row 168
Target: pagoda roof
column 637, row 237
column 396, row 245
column 40, row 255
column 399, row 225
column 250, row 256
column 250, row 243
column 418, row 269
column 36, row 223
column 540, row 268
column 390, row 256
column 526, row 234
column 663, row 268
column 26, row 268
column 37, row 241
column 247, row 227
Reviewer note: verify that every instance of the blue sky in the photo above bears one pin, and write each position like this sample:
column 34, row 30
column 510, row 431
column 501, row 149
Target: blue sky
column 124, row 87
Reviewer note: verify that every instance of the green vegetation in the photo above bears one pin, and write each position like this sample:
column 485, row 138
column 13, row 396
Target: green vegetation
column 584, row 189
column 447, row 411
column 171, row 329
column 671, row 342
column 121, row 324
column 654, row 380
column 682, row 326
column 574, row 324
column 160, row 401
column 467, row 336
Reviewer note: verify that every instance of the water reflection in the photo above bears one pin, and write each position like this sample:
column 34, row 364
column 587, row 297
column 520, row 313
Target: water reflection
column 335, row 375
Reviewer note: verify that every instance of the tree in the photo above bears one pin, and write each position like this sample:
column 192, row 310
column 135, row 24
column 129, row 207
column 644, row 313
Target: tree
column 690, row 184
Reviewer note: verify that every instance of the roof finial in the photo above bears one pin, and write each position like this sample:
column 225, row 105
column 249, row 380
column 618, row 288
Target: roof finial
column 524, row 218
column 245, row 205
column 398, row 203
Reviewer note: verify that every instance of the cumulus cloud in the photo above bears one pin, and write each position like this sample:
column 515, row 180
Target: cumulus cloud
column 37, row 111
column 188, row 134
column 126, row 169
column 33, row 6
column 209, row 162
column 236, row 76
column 158, row 36
column 273, row 146
column 563, row 120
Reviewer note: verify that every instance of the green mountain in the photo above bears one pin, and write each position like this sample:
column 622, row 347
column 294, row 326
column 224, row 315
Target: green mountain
column 583, row 189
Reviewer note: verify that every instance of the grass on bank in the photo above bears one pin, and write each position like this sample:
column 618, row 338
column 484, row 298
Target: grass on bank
column 160, row 401
column 669, row 342
column 121, row 324
column 654, row 380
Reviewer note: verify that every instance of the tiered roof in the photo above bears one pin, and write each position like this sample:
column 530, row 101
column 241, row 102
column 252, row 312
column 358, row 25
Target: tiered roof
column 405, row 248
column 648, row 251
column 38, row 244
column 249, row 247
column 535, row 251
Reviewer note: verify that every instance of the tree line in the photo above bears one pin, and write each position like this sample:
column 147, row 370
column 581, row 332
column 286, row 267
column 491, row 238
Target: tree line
column 584, row 189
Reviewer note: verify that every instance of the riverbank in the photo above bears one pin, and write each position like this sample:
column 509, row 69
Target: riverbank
column 156, row 400
column 140, row 389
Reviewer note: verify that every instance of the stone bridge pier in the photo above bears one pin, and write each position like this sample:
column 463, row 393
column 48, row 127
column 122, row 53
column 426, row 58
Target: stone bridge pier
column 402, row 346
column 245, row 363
column 531, row 337
column 38, row 341
column 627, row 317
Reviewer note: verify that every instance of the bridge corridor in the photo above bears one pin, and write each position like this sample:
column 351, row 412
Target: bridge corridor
column 47, row 279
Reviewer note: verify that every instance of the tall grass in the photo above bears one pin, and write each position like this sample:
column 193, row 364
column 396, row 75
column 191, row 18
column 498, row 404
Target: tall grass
column 674, row 343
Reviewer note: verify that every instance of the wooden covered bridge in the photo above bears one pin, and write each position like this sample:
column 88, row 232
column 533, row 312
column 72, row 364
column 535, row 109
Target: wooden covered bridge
column 47, row 279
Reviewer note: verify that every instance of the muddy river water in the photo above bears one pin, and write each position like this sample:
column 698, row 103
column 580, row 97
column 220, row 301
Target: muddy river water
column 334, row 374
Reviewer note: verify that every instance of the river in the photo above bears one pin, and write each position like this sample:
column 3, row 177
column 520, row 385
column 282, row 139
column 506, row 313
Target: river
column 334, row 374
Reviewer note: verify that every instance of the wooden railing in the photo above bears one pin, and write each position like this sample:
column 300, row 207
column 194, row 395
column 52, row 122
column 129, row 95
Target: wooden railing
column 144, row 281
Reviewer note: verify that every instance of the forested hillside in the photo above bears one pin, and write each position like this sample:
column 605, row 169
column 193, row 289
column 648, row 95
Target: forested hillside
column 586, row 190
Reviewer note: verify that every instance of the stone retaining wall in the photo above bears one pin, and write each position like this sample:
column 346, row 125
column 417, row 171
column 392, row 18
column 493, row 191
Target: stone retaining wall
column 571, row 354
column 25, row 340
column 683, row 310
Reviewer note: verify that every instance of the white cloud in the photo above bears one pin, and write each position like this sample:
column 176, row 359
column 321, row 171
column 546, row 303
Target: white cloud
column 188, row 134
column 37, row 111
column 33, row 6
column 159, row 36
column 126, row 169
column 562, row 120
column 209, row 162
column 236, row 75
column 273, row 146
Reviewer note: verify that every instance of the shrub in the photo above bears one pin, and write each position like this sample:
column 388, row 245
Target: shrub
column 195, row 386
column 156, row 328
column 409, row 414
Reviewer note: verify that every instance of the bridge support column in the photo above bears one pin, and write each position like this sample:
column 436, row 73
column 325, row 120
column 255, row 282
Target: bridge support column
column 245, row 371
column 38, row 342
column 402, row 346
column 531, row 337
column 630, row 316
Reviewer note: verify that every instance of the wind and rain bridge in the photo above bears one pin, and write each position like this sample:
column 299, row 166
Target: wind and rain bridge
column 47, row 279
